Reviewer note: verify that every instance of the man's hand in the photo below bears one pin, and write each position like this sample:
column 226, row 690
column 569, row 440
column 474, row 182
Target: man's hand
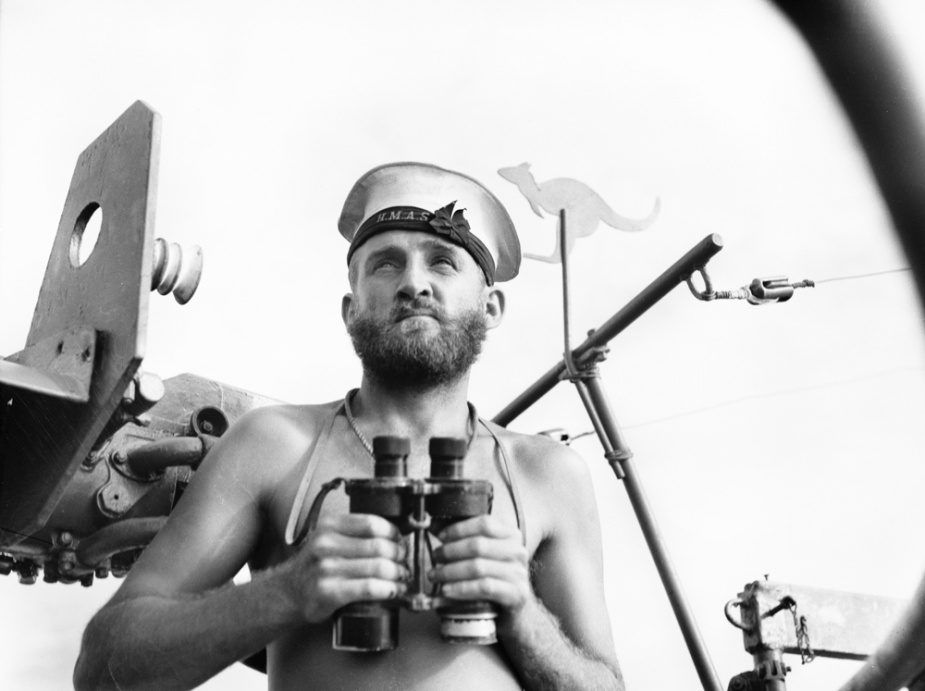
column 483, row 559
column 347, row 558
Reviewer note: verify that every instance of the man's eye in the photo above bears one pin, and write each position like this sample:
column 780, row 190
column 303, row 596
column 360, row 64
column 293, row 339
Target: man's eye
column 443, row 261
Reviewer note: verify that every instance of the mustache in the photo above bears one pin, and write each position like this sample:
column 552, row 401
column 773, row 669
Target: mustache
column 416, row 307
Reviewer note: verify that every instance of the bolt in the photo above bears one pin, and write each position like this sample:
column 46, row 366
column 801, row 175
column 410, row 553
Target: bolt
column 28, row 572
column 207, row 427
column 86, row 580
column 94, row 457
column 51, row 573
column 737, row 683
column 150, row 388
column 102, row 569
column 66, row 561
column 66, row 539
column 120, row 457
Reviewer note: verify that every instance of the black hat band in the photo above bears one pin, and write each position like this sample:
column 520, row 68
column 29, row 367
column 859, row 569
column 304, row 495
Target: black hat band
column 449, row 224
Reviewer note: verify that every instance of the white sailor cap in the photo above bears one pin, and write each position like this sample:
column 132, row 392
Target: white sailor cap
column 423, row 197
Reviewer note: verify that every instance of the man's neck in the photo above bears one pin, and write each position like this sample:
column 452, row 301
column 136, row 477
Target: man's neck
column 416, row 414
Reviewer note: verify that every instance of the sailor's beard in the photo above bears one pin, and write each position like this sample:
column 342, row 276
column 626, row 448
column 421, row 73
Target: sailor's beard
column 418, row 359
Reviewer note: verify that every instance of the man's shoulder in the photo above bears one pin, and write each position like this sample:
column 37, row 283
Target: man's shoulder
column 275, row 433
column 538, row 456
column 298, row 415
column 554, row 481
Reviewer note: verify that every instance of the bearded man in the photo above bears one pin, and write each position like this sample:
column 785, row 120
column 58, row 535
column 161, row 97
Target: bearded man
column 427, row 247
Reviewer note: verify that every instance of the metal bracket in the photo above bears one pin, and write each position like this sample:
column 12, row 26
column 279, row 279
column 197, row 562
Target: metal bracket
column 47, row 436
column 60, row 365
column 843, row 625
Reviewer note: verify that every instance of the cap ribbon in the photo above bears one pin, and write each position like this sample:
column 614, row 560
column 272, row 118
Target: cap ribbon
column 449, row 224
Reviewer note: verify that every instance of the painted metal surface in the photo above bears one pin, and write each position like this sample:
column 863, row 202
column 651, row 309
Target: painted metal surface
column 837, row 624
column 45, row 437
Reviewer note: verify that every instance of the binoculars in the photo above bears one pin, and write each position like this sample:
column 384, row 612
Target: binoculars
column 419, row 508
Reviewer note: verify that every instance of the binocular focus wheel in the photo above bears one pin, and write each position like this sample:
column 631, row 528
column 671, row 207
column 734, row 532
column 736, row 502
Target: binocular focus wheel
column 471, row 628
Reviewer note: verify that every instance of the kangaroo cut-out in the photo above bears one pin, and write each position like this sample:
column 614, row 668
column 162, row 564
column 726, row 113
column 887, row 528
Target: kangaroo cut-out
column 584, row 208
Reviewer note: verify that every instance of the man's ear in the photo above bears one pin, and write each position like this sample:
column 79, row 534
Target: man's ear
column 346, row 308
column 494, row 307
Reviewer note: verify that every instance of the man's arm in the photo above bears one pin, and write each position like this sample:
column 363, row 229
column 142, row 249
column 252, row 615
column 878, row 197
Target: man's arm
column 554, row 624
column 174, row 625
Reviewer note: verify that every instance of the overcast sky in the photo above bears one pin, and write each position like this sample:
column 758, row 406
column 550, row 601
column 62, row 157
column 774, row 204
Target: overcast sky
column 781, row 440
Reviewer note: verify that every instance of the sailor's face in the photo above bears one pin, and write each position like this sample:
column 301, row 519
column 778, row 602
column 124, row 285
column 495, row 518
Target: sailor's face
column 412, row 281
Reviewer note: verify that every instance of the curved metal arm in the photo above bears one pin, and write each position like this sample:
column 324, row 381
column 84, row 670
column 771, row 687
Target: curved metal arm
column 727, row 610
column 867, row 77
column 131, row 533
column 677, row 273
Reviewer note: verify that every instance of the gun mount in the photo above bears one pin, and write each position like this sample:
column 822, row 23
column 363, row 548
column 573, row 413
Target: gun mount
column 94, row 453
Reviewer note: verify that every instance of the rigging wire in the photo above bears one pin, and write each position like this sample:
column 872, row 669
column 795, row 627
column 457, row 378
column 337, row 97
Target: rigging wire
column 764, row 291
column 774, row 394
column 867, row 275
column 563, row 436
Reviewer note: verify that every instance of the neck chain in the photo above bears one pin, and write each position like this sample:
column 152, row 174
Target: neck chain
column 470, row 425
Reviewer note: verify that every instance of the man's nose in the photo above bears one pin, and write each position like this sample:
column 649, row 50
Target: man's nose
column 415, row 281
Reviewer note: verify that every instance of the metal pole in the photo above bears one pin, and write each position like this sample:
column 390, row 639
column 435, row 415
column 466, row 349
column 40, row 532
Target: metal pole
column 696, row 258
column 695, row 645
column 617, row 453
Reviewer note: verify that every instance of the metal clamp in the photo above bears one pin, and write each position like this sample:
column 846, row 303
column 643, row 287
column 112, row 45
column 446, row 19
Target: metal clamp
column 727, row 610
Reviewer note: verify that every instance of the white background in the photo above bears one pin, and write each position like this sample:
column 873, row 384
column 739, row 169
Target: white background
column 781, row 440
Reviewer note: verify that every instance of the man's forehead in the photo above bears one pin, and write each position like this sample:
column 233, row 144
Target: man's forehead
column 409, row 240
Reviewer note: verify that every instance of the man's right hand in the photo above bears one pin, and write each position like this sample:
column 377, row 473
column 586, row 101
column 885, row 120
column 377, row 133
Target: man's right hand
column 347, row 558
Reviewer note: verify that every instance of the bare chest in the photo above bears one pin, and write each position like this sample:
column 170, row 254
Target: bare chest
column 341, row 457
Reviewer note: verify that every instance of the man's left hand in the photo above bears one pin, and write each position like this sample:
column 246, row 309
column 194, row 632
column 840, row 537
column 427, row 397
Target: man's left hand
column 482, row 558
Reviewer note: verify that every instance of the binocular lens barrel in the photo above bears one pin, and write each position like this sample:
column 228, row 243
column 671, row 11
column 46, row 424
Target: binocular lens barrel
column 366, row 627
column 391, row 454
column 446, row 457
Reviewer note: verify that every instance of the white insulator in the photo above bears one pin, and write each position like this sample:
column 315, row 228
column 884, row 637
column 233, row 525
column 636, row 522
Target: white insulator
column 176, row 270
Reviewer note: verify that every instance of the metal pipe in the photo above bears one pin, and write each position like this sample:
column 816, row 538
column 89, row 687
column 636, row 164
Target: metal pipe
column 617, row 451
column 595, row 401
column 157, row 456
column 689, row 630
column 855, row 53
column 771, row 670
column 694, row 259
column 131, row 533
column 900, row 657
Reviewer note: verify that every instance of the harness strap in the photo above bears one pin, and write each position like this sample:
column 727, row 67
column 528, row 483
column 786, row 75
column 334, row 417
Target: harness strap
column 292, row 535
column 509, row 480
column 296, row 534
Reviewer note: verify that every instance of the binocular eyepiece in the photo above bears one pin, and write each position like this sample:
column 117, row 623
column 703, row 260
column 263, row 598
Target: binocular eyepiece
column 419, row 508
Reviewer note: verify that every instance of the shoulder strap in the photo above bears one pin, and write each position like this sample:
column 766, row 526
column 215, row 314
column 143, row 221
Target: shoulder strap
column 312, row 455
column 509, row 479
